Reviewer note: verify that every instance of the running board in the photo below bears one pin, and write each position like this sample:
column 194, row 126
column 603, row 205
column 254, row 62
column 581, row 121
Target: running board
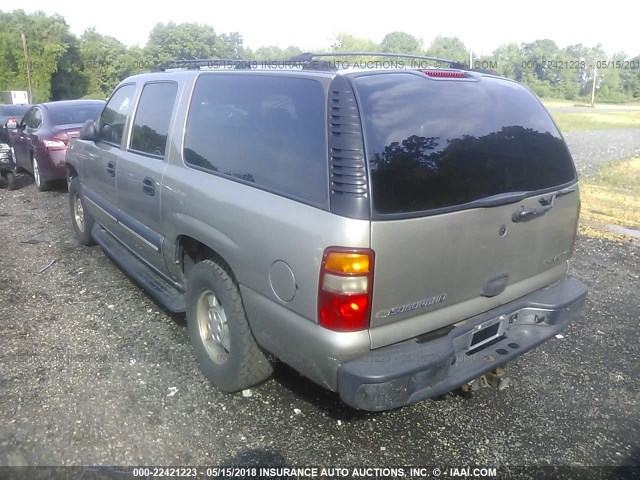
column 160, row 288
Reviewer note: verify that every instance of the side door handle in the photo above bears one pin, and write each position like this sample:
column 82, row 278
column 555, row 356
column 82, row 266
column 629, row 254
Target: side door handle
column 149, row 186
column 111, row 169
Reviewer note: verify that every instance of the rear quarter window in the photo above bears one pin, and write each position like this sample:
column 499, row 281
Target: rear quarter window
column 268, row 131
column 438, row 144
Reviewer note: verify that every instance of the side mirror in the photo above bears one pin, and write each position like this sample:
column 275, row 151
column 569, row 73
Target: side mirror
column 88, row 131
column 12, row 125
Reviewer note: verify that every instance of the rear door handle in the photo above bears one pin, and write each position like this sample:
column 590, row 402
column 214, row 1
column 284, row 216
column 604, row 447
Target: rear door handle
column 111, row 169
column 149, row 186
column 546, row 205
column 526, row 215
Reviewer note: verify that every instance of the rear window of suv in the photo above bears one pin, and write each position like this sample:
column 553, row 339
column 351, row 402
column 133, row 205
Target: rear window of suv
column 434, row 144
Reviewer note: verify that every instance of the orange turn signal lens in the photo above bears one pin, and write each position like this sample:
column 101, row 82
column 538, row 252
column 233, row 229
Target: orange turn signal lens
column 345, row 262
column 345, row 289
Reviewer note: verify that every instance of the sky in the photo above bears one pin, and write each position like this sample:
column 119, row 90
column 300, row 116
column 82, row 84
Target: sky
column 481, row 25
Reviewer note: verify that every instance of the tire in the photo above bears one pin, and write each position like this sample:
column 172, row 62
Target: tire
column 11, row 180
column 81, row 220
column 19, row 169
column 41, row 184
column 219, row 331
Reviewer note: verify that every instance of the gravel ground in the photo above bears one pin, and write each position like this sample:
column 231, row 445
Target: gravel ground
column 92, row 371
column 592, row 148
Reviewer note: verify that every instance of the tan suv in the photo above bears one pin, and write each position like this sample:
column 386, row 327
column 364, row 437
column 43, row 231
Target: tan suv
column 391, row 234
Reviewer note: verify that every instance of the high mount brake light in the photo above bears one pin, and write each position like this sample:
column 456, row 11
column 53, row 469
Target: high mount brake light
column 444, row 74
column 345, row 287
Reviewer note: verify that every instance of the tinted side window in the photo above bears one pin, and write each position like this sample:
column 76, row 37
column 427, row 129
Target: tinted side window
column 37, row 118
column 113, row 118
column 439, row 144
column 262, row 129
column 28, row 117
column 151, row 123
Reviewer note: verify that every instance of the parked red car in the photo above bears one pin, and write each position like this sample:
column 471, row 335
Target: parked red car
column 41, row 138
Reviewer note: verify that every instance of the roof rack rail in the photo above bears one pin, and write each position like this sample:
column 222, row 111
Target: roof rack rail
column 207, row 63
column 308, row 57
column 304, row 60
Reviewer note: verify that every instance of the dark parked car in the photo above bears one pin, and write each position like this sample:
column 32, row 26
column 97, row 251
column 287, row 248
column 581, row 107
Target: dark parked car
column 40, row 142
column 16, row 112
column 7, row 165
column 10, row 113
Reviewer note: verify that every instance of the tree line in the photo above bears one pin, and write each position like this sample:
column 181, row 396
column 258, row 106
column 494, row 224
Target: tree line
column 65, row 66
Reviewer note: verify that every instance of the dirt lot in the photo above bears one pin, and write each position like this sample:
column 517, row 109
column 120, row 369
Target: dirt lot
column 593, row 148
column 92, row 371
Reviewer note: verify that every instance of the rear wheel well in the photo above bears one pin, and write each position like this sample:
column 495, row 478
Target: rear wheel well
column 191, row 251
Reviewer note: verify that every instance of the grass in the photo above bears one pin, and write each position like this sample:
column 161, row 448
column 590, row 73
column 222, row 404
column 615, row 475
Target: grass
column 612, row 197
column 555, row 103
column 583, row 102
column 568, row 122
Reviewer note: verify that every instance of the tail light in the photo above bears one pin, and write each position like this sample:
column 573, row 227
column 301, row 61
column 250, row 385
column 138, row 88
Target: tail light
column 346, row 282
column 54, row 144
column 575, row 231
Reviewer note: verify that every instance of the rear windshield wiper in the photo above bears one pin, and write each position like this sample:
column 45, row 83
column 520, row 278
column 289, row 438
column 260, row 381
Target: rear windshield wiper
column 499, row 199
column 514, row 197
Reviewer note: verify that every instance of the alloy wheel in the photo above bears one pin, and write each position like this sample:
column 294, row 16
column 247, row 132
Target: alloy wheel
column 213, row 326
